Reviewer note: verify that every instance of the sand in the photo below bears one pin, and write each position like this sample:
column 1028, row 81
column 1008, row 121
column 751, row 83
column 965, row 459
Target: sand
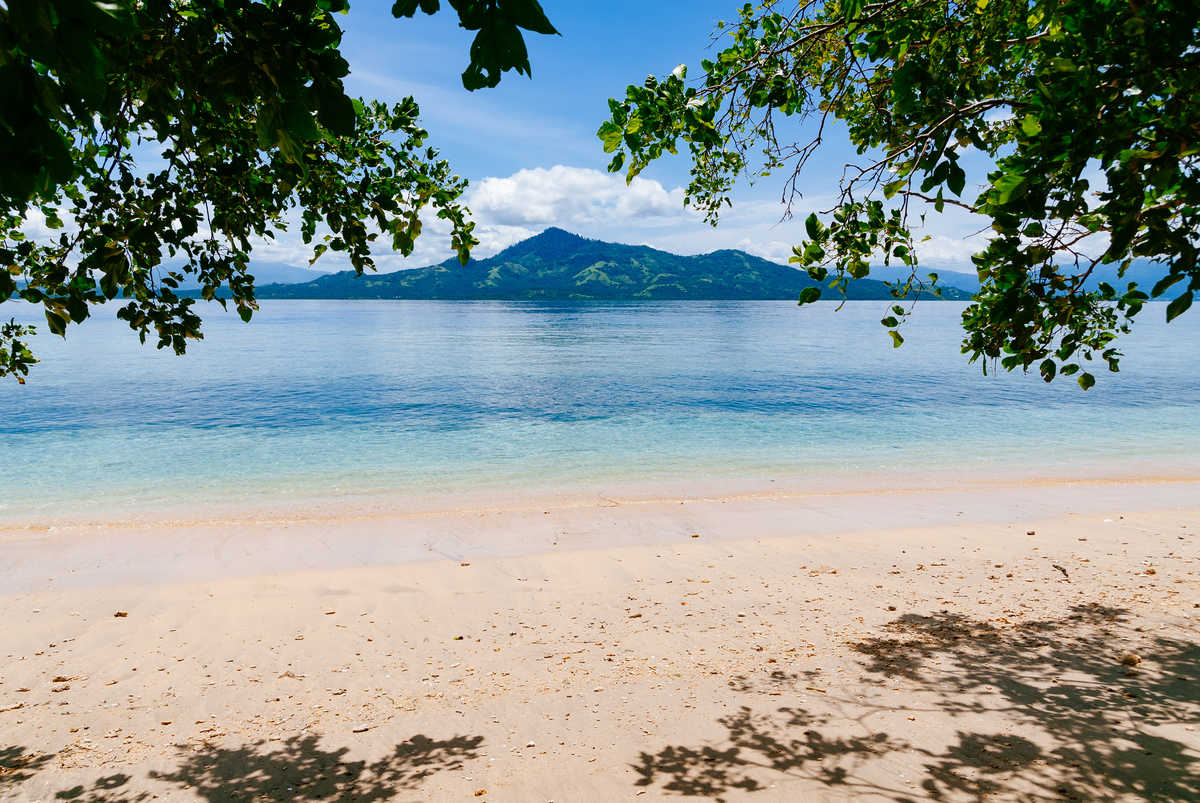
column 1000, row 641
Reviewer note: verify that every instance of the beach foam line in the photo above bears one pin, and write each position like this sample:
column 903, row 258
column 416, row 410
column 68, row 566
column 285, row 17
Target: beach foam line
column 403, row 504
column 154, row 553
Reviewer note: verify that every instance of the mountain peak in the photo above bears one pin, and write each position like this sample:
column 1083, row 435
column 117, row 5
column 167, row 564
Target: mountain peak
column 554, row 234
column 551, row 240
column 555, row 231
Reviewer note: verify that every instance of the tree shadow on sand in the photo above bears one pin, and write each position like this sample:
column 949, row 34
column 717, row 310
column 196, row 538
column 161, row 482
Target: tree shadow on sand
column 108, row 789
column 297, row 769
column 1098, row 702
column 18, row 766
column 786, row 742
column 1090, row 684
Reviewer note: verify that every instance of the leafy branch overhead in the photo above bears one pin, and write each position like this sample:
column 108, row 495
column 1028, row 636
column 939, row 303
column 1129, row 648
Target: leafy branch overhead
column 1086, row 110
column 162, row 138
column 498, row 45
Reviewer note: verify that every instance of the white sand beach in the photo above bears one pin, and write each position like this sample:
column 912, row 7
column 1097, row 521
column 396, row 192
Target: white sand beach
column 1003, row 641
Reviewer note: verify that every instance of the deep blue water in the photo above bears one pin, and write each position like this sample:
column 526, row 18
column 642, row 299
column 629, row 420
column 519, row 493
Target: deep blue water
column 329, row 397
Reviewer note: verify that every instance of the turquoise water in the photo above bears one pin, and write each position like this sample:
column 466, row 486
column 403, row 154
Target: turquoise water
column 361, row 398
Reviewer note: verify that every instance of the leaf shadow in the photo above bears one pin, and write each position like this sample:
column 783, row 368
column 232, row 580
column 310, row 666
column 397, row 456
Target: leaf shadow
column 1078, row 717
column 296, row 769
column 300, row 769
column 1090, row 684
column 103, row 790
column 17, row 765
column 785, row 742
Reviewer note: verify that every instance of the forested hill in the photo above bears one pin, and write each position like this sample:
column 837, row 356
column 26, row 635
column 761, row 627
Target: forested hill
column 559, row 265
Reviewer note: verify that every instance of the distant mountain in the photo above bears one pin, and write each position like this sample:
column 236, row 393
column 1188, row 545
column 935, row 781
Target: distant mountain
column 967, row 282
column 559, row 265
column 264, row 273
column 282, row 273
column 1144, row 273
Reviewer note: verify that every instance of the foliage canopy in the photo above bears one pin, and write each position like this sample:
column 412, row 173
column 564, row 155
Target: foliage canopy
column 162, row 137
column 1088, row 112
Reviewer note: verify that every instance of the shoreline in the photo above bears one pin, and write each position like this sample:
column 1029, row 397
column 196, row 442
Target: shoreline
column 377, row 503
column 149, row 551
column 954, row 645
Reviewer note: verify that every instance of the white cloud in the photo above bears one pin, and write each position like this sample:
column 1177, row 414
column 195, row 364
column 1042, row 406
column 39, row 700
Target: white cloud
column 566, row 196
column 495, row 238
column 36, row 229
column 949, row 252
column 774, row 250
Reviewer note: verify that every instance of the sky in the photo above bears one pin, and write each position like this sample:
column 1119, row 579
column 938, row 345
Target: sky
column 529, row 149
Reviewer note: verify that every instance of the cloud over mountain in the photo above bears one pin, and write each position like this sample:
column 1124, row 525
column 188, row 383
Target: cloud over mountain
column 563, row 195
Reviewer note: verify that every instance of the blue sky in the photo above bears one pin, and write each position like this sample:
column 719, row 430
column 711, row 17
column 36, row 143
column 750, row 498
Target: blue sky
column 525, row 123
column 529, row 149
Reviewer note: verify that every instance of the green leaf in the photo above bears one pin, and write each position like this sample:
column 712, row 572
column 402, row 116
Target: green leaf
column 1005, row 186
column 1164, row 284
column 57, row 323
column 812, row 226
column 809, row 294
column 956, row 181
column 1086, row 380
column 611, row 134
column 529, row 15
column 897, row 340
column 290, row 148
column 408, row 8
column 813, row 254
column 77, row 308
column 267, row 125
column 893, row 187
column 1179, row 306
column 300, row 123
column 1048, row 369
column 1031, row 126
column 336, row 111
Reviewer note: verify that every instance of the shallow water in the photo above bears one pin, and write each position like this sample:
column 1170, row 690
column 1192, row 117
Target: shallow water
column 345, row 398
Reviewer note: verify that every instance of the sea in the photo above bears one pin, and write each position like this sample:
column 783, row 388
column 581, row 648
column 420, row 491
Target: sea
column 376, row 402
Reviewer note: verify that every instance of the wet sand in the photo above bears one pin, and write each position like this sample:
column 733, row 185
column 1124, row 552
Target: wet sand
column 1008, row 641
